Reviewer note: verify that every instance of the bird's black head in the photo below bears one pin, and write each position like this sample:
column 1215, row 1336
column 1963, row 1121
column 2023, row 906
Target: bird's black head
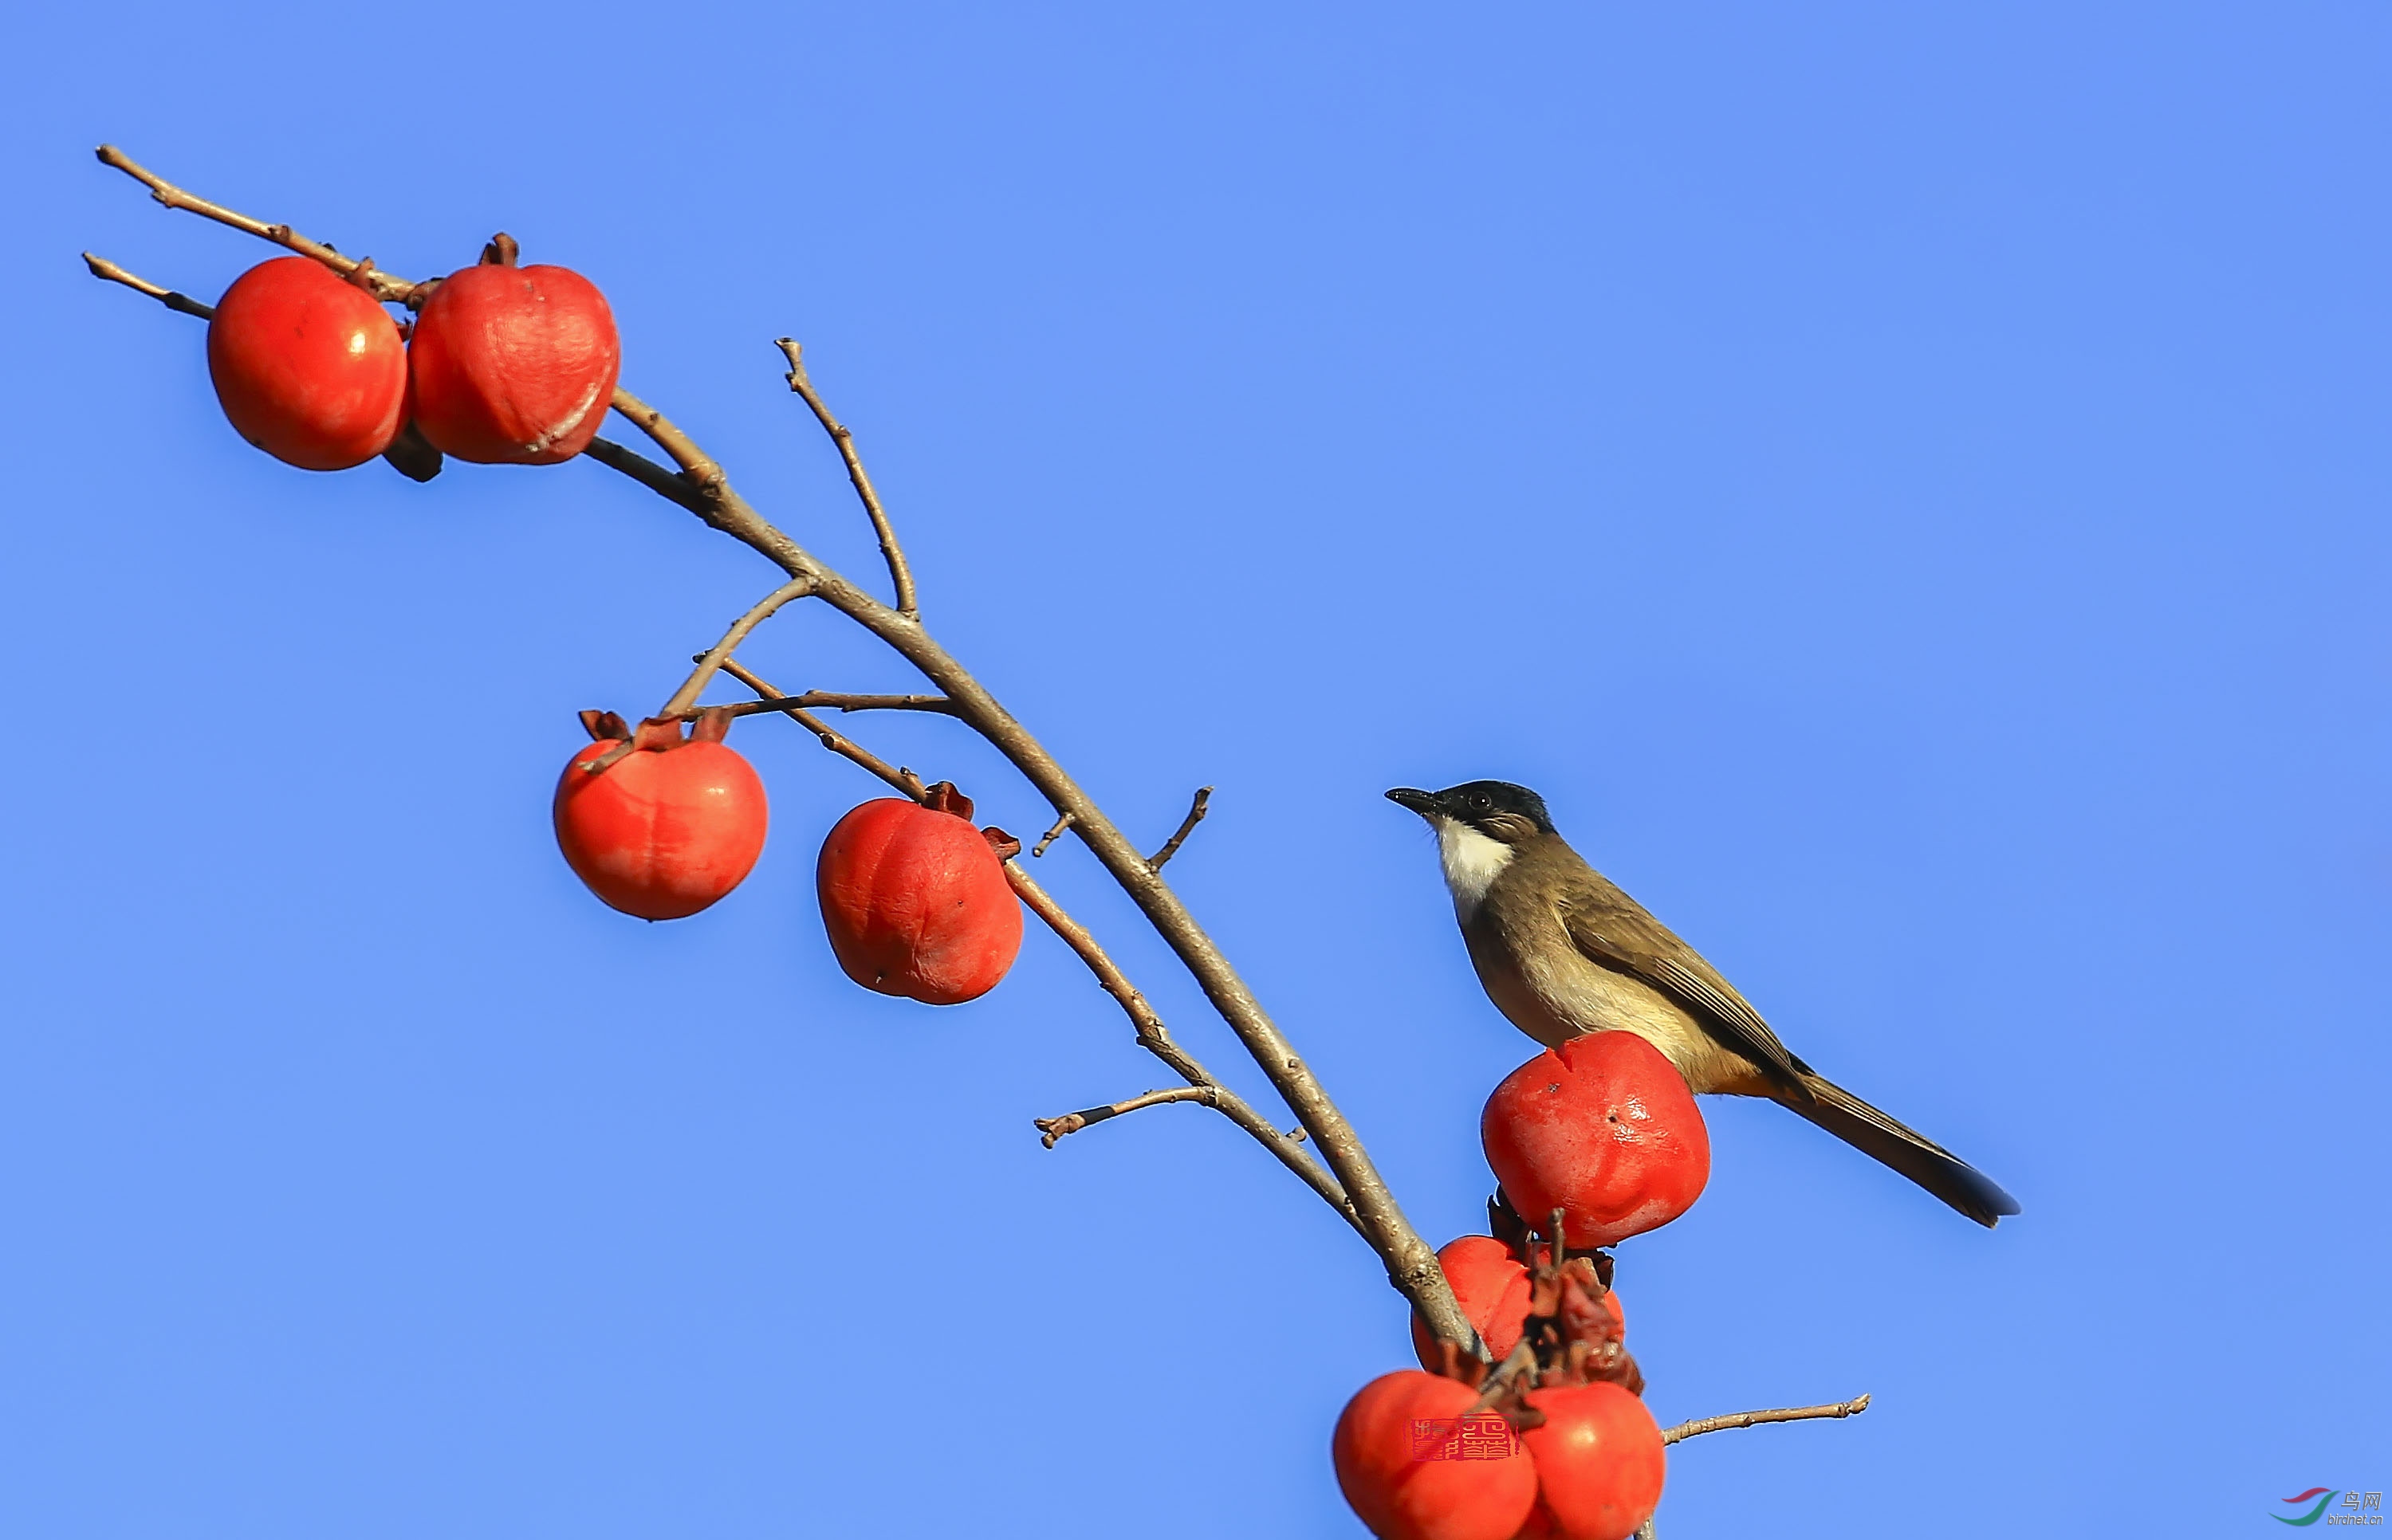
column 1496, row 809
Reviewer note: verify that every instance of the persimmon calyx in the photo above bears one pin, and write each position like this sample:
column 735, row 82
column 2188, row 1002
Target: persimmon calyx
column 656, row 734
column 943, row 797
column 1004, row 844
column 602, row 725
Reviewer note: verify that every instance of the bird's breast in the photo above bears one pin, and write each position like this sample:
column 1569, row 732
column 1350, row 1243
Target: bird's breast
column 1549, row 989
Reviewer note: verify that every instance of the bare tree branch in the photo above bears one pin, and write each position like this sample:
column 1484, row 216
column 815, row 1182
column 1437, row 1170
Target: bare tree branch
column 901, row 576
column 647, row 472
column 1180, row 837
column 685, row 698
column 383, row 286
column 703, row 490
column 1052, row 1129
column 1412, row 1265
column 1746, row 1419
column 697, row 466
column 173, row 300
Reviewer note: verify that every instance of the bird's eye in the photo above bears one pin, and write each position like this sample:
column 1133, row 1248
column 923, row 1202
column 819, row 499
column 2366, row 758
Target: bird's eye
column 1481, row 802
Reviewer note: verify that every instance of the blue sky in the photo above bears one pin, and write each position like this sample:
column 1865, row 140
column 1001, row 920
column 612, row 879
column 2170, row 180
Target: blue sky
column 1907, row 486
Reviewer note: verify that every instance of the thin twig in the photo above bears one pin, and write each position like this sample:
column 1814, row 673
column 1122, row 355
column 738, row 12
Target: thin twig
column 829, row 700
column 685, row 698
column 1852, row 1408
column 842, row 700
column 172, row 299
column 1052, row 1129
column 383, row 286
column 896, row 775
column 1051, row 835
column 1179, row 835
column 901, row 576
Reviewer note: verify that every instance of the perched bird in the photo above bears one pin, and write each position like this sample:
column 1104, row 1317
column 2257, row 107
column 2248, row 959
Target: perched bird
column 1562, row 951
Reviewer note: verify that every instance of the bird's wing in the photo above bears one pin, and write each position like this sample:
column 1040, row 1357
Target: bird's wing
column 1613, row 930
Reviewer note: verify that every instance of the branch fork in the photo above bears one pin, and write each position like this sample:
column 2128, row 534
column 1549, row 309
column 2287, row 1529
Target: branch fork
column 901, row 575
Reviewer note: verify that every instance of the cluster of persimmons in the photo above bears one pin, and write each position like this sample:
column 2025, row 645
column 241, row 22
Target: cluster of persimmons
column 1594, row 1143
column 509, row 364
column 1601, row 1138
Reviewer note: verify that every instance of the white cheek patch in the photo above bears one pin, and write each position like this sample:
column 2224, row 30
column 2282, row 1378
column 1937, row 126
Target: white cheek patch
column 1472, row 864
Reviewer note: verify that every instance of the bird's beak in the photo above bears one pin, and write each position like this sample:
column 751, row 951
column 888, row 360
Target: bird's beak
column 1423, row 803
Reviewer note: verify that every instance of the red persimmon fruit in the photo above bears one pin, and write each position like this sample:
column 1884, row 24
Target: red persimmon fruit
column 1493, row 1290
column 1602, row 1128
column 1491, row 1286
column 513, row 366
column 668, row 827
column 1407, row 1477
column 915, row 901
column 308, row 366
column 1599, row 1463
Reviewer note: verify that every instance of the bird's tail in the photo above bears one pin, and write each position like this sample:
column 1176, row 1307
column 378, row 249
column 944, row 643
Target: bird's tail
column 1914, row 1155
